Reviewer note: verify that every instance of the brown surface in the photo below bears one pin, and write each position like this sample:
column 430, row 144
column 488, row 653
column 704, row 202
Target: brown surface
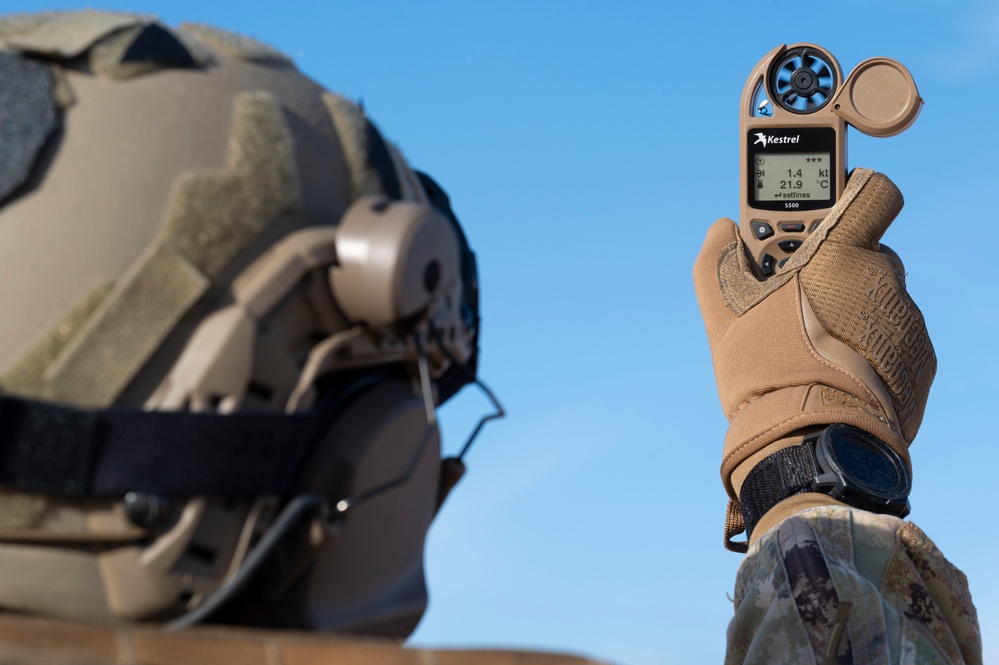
column 30, row 640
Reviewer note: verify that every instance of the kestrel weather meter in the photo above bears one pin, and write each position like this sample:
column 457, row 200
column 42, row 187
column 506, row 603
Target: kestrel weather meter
column 795, row 109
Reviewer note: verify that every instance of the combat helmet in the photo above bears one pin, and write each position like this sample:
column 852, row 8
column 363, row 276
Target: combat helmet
column 230, row 311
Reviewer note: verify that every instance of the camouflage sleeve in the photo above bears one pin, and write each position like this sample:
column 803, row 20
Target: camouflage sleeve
column 840, row 585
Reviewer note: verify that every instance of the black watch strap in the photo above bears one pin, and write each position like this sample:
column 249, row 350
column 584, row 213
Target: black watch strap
column 785, row 473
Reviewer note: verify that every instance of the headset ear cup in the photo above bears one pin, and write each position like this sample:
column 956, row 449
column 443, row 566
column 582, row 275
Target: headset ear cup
column 393, row 259
column 380, row 435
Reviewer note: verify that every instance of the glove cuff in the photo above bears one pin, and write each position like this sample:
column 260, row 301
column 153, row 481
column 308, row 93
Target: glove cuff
column 785, row 411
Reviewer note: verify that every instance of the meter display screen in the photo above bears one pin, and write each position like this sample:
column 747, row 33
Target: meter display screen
column 803, row 177
column 792, row 168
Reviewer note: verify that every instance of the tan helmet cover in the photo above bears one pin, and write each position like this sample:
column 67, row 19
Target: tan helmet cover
column 205, row 228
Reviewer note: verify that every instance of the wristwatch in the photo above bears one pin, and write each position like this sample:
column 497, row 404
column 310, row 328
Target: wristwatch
column 842, row 461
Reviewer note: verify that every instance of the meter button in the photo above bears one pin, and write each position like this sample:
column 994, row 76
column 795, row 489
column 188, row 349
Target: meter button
column 780, row 264
column 814, row 225
column 761, row 230
column 789, row 246
column 792, row 227
column 767, row 265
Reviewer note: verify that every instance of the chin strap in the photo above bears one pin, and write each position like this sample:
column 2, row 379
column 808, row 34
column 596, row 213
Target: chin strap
column 82, row 453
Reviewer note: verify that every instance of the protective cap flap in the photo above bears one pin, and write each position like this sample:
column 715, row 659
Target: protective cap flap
column 879, row 98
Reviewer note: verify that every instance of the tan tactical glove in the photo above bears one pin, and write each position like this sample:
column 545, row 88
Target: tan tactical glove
column 832, row 338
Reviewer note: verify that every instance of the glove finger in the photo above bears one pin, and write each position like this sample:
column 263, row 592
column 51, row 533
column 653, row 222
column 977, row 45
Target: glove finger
column 873, row 203
column 876, row 317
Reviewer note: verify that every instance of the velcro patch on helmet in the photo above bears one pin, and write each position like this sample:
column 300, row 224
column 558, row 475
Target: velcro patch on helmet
column 128, row 326
column 66, row 35
column 19, row 24
column 29, row 116
column 26, row 376
column 372, row 170
column 21, row 510
column 121, row 45
column 236, row 45
column 212, row 217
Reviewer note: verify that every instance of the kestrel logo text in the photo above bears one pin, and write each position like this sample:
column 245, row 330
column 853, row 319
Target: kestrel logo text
column 767, row 140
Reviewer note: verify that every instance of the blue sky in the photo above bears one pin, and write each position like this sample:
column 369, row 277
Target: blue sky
column 587, row 147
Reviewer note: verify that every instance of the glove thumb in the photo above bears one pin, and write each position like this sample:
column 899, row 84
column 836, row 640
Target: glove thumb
column 721, row 235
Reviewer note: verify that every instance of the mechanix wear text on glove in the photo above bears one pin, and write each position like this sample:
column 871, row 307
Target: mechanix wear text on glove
column 832, row 338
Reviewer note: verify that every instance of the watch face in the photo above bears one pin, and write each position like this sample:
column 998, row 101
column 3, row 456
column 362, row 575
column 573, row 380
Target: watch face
column 866, row 463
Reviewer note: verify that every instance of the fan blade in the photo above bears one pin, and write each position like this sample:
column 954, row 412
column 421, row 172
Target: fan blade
column 820, row 68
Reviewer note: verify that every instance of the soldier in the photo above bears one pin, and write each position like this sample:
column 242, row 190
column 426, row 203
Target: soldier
column 823, row 372
column 231, row 310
